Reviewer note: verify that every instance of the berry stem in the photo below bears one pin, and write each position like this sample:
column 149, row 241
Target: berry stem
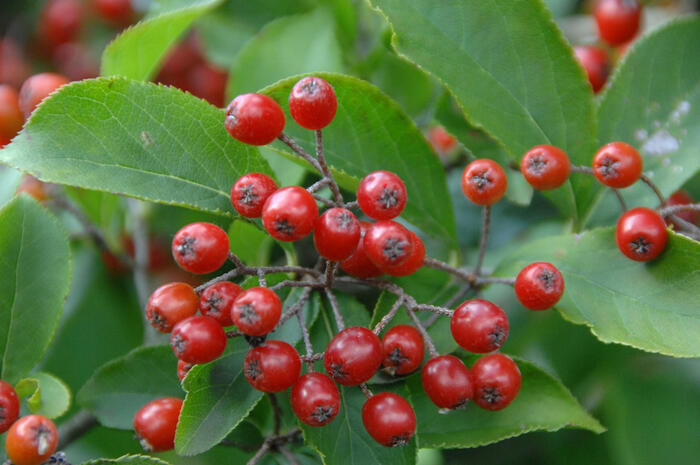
column 291, row 143
column 365, row 390
column 485, row 227
column 388, row 317
column 620, row 199
column 331, row 269
column 277, row 412
column 262, row 281
column 672, row 210
column 274, row 442
column 646, row 180
column 336, row 310
column 307, row 341
column 428, row 340
column 259, row 454
column 325, row 170
column 459, row 273
column 288, row 455
column 582, row 169
column 74, row 428
column 295, row 308
column 325, row 201
column 318, row 185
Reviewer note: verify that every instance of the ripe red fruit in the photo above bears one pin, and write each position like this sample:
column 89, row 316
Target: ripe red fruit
column 479, row 326
column 403, row 350
column 353, row 356
column 337, row 234
column 413, row 263
column 9, row 406
column 31, row 440
column 11, row 118
column 539, row 286
column 198, row 339
column 358, row 264
column 315, row 399
column 75, row 61
column 387, row 243
column 442, row 141
column 617, row 165
column 447, row 382
column 33, row 187
column 60, row 22
column 254, row 119
column 594, row 61
column 170, row 304
column 681, row 197
column 641, row 234
column 545, row 167
column 381, row 195
column 207, row 82
column 617, row 20
column 117, row 12
column 389, row 419
column 183, row 368
column 37, row 88
column 217, row 301
column 484, row 182
column 200, row 247
column 272, row 367
column 256, row 311
column 496, row 380
column 13, row 65
column 249, row 193
column 155, row 424
column 290, row 213
column 312, row 103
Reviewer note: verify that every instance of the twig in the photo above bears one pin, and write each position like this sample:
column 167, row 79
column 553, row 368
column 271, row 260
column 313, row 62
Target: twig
column 672, row 210
column 331, row 268
column 620, row 199
column 233, row 333
column 459, row 273
column 336, row 310
column 259, row 454
column 295, row 308
column 313, row 358
column 352, row 204
column 582, row 169
column 318, row 185
column 307, row 341
column 426, row 337
column 365, row 390
column 325, row 201
column 647, row 180
column 75, row 427
column 262, row 282
column 485, row 226
column 388, row 317
column 325, row 170
column 277, row 412
column 493, row 280
column 253, row 271
column 288, row 455
column 300, row 151
column 274, row 442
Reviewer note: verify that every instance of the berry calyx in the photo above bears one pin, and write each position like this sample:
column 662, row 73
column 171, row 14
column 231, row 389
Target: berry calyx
column 413, row 263
column 617, row 165
column 681, row 197
column 479, row 326
column 183, row 368
column 641, row 234
column 381, row 195
column 389, row 419
column 37, row 88
column 217, row 301
column 170, row 304
column 496, row 380
column 387, row 243
column 358, row 264
column 447, row 382
column 249, row 193
column 31, row 440
column 312, row 103
column 353, row 356
column 256, row 311
column 336, row 234
column 484, row 182
column 254, row 119
column 539, row 286
column 403, row 350
column 9, row 406
column 594, row 61
column 11, row 117
column 315, row 399
column 198, row 339
column 617, row 20
column 545, row 167
column 272, row 367
column 290, row 213
column 155, row 424
column 200, row 248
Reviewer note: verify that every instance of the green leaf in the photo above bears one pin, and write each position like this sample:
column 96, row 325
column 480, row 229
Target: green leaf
column 121, row 387
column 370, row 132
column 142, row 140
column 9, row 181
column 136, row 52
column 288, row 46
column 251, row 244
column 35, row 265
column 218, row 398
column 530, row 92
column 657, row 111
column 651, row 306
column 129, row 460
column 46, row 394
column 543, row 403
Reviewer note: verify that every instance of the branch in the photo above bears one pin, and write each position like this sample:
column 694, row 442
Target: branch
column 75, row 428
column 300, row 151
column 325, row 170
column 288, row 455
column 485, row 225
column 388, row 317
column 426, row 337
column 277, row 412
column 336, row 310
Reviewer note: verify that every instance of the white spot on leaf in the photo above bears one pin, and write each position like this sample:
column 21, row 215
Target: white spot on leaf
column 661, row 143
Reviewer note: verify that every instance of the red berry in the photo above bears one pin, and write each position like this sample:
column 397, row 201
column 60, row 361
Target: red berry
column 618, row 20
column 681, row 197
column 413, row 263
column 183, row 368
column 641, row 234
column 256, row 311
column 272, row 367
column 353, row 356
column 594, row 61
column 33, row 187
column 117, row 12
column 337, row 234
column 37, row 88
column 9, row 406
column 13, row 65
column 403, row 350
column 479, row 326
column 381, row 195
column 170, row 304
column 249, row 193
column 545, row 167
column 198, row 339
column 200, row 247
column 484, row 182
column 290, row 213
column 496, row 380
column 31, row 440
column 11, row 118
column 617, row 165
column 254, row 119
column 312, row 103
column 217, row 301
column 208, row 82
column 539, row 286
column 387, row 243
column 442, row 141
column 447, row 382
column 75, row 61
column 389, row 419
column 358, row 264
column 155, row 424
column 315, row 399
column 60, row 21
